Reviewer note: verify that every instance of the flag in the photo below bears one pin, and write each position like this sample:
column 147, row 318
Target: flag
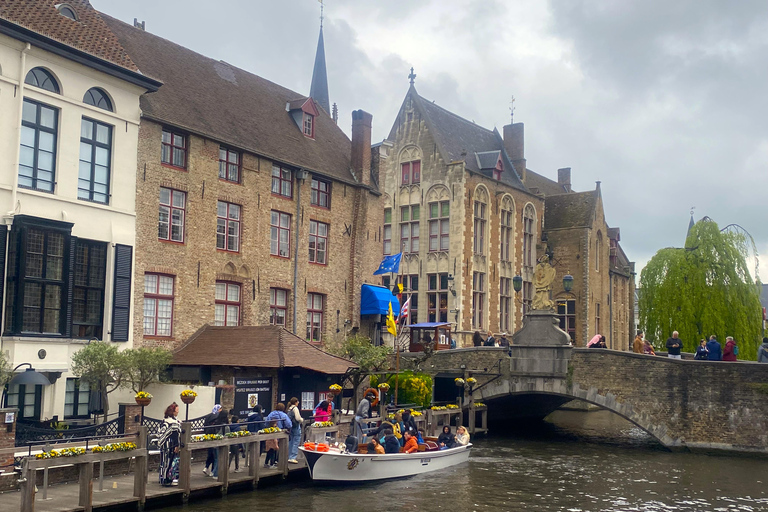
column 391, row 325
column 389, row 265
column 405, row 309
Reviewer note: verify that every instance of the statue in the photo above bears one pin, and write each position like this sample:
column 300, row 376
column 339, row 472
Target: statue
column 543, row 277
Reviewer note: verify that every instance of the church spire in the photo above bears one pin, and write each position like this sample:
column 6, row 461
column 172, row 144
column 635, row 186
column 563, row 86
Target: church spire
column 319, row 88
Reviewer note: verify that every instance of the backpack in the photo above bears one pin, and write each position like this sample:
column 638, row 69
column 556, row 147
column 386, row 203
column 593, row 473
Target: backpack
column 396, row 430
column 735, row 350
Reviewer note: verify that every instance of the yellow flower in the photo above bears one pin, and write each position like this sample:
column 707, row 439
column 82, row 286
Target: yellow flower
column 143, row 394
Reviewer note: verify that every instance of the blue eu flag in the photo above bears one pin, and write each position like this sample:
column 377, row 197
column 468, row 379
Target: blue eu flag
column 390, row 264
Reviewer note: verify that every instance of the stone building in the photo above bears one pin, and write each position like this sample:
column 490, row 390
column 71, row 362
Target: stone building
column 69, row 97
column 254, row 207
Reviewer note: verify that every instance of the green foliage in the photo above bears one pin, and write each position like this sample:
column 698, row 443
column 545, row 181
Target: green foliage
column 412, row 388
column 5, row 370
column 701, row 290
column 100, row 363
column 359, row 349
column 144, row 365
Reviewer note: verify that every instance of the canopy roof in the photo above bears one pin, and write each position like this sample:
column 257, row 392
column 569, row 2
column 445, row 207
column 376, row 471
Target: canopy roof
column 375, row 300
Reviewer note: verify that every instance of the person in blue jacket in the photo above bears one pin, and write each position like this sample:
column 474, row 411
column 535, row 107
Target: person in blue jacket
column 714, row 349
column 283, row 421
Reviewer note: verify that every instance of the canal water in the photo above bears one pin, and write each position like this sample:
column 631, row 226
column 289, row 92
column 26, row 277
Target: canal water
column 573, row 462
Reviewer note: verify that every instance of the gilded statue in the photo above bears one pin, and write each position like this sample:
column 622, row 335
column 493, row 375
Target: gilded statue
column 543, row 277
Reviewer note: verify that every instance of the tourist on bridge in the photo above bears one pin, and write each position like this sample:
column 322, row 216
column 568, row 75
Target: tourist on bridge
column 490, row 341
column 293, row 443
column 504, row 342
column 283, row 421
column 701, row 351
column 209, row 421
column 255, row 419
column 169, row 442
column 674, row 344
column 648, row 348
column 762, row 352
column 637, row 345
column 714, row 349
column 477, row 339
column 731, row 349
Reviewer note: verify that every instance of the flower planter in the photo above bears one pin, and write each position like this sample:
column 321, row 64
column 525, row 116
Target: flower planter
column 143, row 402
column 187, row 399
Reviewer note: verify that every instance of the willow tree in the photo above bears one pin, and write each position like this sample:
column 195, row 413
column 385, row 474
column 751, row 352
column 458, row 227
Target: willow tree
column 702, row 289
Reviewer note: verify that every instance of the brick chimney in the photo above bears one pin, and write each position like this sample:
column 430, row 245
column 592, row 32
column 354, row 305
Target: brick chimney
column 514, row 143
column 361, row 145
column 564, row 178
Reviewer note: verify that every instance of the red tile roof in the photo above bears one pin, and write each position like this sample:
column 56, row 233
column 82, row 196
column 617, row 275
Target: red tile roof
column 88, row 34
column 265, row 346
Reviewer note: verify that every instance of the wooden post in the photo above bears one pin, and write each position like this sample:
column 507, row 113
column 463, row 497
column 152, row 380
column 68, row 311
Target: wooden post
column 254, row 454
column 27, row 487
column 140, row 470
column 484, row 419
column 86, row 486
column 471, row 422
column 185, row 459
column 430, row 429
column 283, row 456
column 223, row 467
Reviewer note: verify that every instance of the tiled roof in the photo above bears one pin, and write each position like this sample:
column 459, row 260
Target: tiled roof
column 459, row 140
column 265, row 346
column 570, row 210
column 227, row 104
column 88, row 34
column 542, row 185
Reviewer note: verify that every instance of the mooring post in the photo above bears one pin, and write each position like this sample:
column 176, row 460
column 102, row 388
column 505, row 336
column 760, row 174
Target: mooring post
column 140, row 470
column 223, row 467
column 185, row 459
column 283, row 456
column 27, row 482
column 86, row 486
column 254, row 457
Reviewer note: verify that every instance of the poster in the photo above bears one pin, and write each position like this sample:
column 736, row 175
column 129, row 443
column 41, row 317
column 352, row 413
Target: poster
column 251, row 392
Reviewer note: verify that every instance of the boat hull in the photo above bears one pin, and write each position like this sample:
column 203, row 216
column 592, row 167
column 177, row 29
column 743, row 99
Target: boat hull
column 360, row 467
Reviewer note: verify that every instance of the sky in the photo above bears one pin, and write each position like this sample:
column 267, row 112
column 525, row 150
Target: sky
column 663, row 102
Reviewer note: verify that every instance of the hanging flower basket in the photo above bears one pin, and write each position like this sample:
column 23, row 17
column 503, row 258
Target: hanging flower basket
column 143, row 398
column 334, row 389
column 188, row 396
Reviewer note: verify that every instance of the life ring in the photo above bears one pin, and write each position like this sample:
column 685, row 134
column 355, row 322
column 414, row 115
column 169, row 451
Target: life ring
column 310, row 446
column 322, row 447
column 375, row 393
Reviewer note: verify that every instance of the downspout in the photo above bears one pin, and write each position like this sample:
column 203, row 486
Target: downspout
column 300, row 176
column 610, row 305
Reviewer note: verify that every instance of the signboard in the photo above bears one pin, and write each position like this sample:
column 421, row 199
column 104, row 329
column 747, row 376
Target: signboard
column 9, row 417
column 250, row 392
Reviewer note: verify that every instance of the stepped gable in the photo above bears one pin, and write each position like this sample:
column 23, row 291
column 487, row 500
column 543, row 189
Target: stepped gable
column 219, row 101
column 89, row 33
column 262, row 346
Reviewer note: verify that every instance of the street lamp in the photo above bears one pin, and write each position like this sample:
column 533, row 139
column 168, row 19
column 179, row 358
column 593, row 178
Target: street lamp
column 568, row 282
column 517, row 283
column 28, row 377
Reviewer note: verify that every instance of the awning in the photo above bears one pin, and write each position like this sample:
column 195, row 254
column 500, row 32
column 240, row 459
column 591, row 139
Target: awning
column 375, row 300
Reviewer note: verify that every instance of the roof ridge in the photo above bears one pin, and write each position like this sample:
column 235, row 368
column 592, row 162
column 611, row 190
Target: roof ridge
column 573, row 194
column 471, row 123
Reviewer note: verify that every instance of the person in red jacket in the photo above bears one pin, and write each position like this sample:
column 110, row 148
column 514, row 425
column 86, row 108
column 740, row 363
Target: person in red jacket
column 731, row 349
column 411, row 445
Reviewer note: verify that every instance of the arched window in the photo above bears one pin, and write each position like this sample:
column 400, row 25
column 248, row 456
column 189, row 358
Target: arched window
column 480, row 220
column 98, row 98
column 529, row 221
column 43, row 79
column 598, row 250
column 507, row 229
column 68, row 11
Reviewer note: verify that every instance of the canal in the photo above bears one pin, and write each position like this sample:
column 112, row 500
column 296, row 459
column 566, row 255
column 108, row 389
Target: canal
column 574, row 462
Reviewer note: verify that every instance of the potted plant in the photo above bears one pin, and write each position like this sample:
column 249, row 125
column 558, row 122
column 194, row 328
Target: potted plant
column 334, row 389
column 188, row 396
column 143, row 398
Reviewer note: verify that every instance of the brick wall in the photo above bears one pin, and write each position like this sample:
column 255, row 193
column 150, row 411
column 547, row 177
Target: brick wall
column 7, row 437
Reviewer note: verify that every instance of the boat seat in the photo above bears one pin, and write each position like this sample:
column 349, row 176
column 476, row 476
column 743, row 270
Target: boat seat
column 428, row 446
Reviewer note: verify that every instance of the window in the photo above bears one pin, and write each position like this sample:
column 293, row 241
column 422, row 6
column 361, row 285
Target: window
column 43, row 79
column 174, row 149
column 387, row 231
column 36, row 301
column 528, row 241
column 321, row 193
column 27, row 399
column 479, row 236
column 566, row 310
column 411, row 290
column 282, row 184
column 409, row 228
column 411, row 173
column 437, row 297
column 280, row 234
column 158, row 305
column 506, row 235
column 597, row 318
column 527, row 296
column 95, row 161
column 227, row 304
column 37, row 155
column 228, row 226
column 98, row 98
column 307, row 400
column 386, row 282
column 318, row 242
column 505, row 304
column 170, row 224
column 309, row 125
column 67, row 11
column 315, row 317
column 598, row 250
column 229, row 165
column 90, row 270
column 478, row 299
column 278, row 306
column 497, row 174
column 76, row 398
column 439, row 228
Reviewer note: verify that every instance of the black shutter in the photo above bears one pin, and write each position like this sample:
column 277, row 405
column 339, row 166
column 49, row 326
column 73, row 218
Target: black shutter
column 121, row 302
column 70, row 291
column 3, row 242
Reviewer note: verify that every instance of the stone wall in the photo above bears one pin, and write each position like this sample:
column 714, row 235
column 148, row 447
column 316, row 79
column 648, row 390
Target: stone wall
column 7, row 437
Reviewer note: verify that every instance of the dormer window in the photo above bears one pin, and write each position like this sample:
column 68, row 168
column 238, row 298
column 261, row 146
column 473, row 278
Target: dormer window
column 304, row 113
column 309, row 125
column 67, row 10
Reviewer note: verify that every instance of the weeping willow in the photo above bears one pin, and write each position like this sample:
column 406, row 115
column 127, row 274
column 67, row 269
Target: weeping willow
column 703, row 289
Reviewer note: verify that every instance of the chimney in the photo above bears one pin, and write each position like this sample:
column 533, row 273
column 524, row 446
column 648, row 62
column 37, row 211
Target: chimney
column 142, row 25
column 564, row 178
column 514, row 143
column 361, row 145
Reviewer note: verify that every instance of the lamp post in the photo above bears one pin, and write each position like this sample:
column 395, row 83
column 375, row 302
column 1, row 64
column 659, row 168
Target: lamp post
column 28, row 377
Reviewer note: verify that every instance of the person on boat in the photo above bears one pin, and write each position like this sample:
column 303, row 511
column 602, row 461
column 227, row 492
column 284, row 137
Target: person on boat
column 420, row 435
column 462, row 436
column 390, row 442
column 398, row 428
column 411, row 445
column 323, row 411
column 362, row 413
column 169, row 442
column 409, row 423
column 446, row 439
column 374, row 446
column 293, row 444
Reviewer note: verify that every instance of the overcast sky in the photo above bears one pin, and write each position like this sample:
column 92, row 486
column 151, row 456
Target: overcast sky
column 664, row 102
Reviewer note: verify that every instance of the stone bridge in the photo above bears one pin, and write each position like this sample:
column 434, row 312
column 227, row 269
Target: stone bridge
column 684, row 404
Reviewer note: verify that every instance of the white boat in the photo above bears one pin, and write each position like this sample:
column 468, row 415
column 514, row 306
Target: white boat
column 338, row 466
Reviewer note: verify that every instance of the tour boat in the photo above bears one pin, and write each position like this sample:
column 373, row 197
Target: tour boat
column 339, row 466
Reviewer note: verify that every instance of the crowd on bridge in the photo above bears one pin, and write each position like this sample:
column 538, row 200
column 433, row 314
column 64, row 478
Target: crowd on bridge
column 708, row 350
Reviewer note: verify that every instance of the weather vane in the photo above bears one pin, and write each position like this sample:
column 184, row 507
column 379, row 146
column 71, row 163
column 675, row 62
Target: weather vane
column 412, row 76
column 321, row 13
column 692, row 208
column 512, row 110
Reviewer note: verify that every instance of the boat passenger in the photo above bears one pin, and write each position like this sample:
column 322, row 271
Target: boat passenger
column 446, row 439
column 420, row 435
column 374, row 446
column 390, row 442
column 409, row 423
column 462, row 436
column 411, row 445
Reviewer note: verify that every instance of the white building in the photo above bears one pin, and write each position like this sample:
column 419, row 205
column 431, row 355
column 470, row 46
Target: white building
column 69, row 123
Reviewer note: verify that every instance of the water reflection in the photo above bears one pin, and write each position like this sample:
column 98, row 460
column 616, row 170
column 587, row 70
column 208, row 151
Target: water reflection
column 574, row 462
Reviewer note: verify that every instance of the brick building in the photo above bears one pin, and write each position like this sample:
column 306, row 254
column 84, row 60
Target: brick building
column 253, row 207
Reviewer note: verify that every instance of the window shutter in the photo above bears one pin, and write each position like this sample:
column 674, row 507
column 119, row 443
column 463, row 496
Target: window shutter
column 70, row 285
column 121, row 303
column 3, row 242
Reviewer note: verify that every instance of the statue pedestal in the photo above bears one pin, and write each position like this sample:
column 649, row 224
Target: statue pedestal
column 540, row 348
column 541, row 327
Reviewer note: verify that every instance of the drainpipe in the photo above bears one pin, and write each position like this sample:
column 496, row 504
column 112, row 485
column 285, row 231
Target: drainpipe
column 301, row 175
column 610, row 305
